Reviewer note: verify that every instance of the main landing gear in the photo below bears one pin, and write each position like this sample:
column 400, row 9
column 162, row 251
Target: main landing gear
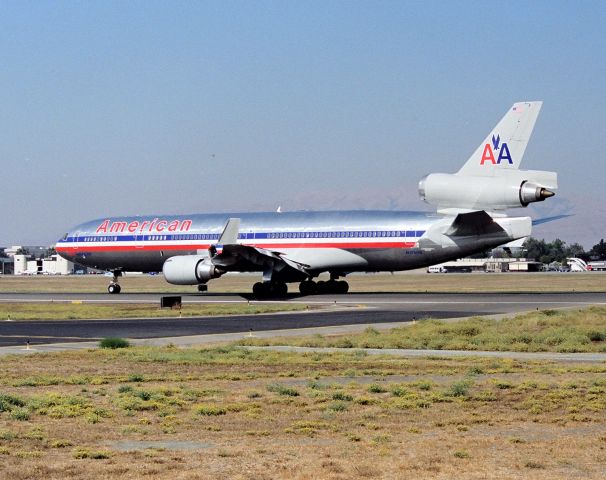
column 270, row 289
column 309, row 287
column 114, row 286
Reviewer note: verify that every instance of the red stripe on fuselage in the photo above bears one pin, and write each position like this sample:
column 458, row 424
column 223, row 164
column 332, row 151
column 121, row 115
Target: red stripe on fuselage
column 268, row 246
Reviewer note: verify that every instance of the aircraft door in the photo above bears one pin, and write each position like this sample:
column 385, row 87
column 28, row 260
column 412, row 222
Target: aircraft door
column 139, row 241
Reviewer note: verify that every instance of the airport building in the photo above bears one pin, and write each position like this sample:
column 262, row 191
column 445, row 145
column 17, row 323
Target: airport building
column 6, row 266
column 52, row 265
column 490, row 265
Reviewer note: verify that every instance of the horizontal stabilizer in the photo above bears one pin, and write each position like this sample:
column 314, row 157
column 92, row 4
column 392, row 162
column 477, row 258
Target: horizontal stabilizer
column 473, row 223
column 538, row 221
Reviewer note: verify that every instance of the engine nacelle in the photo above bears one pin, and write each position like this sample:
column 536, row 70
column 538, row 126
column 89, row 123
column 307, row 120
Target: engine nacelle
column 508, row 189
column 190, row 270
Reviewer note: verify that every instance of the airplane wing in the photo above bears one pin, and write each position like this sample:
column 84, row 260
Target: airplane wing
column 236, row 257
column 235, row 253
column 539, row 221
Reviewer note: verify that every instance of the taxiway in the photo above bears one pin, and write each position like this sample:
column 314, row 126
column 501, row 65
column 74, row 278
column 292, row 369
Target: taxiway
column 338, row 310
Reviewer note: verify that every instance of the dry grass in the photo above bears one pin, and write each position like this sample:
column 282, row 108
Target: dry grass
column 541, row 331
column 406, row 282
column 52, row 311
column 479, row 282
column 287, row 415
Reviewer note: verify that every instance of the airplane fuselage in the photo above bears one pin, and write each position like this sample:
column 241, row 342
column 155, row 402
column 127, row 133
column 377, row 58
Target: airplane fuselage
column 339, row 241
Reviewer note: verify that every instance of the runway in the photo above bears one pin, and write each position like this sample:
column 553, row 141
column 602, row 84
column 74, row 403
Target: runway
column 350, row 309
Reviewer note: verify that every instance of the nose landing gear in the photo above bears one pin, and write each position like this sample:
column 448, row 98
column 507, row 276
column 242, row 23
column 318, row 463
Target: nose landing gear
column 114, row 286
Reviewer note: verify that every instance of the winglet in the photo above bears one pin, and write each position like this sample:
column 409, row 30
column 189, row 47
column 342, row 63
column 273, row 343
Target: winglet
column 230, row 232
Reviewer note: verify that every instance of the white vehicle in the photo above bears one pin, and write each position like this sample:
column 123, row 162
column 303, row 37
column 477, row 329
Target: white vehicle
column 577, row 264
column 29, row 272
column 436, row 269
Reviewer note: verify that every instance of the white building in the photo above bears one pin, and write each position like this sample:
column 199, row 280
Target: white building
column 57, row 265
column 53, row 265
column 20, row 265
column 487, row 265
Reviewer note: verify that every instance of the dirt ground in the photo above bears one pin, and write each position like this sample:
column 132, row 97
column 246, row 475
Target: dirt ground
column 232, row 413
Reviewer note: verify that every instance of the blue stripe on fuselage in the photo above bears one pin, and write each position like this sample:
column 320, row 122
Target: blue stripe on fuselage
column 248, row 236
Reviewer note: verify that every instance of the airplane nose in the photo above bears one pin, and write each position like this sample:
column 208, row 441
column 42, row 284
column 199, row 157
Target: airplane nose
column 61, row 247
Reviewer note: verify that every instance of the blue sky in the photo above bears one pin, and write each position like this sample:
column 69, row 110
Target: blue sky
column 113, row 108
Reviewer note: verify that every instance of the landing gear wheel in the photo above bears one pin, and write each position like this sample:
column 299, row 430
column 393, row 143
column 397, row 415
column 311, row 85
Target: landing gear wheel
column 113, row 288
column 279, row 289
column 342, row 287
column 331, row 286
column 259, row 289
column 308, row 287
column 267, row 289
column 203, row 288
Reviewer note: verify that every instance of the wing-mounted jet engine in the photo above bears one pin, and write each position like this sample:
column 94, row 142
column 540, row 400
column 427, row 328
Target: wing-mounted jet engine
column 190, row 270
column 199, row 269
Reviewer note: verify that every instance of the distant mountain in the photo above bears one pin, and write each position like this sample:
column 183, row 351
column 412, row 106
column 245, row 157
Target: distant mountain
column 587, row 225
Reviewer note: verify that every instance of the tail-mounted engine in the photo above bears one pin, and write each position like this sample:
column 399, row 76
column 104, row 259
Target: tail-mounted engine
column 507, row 189
column 190, row 270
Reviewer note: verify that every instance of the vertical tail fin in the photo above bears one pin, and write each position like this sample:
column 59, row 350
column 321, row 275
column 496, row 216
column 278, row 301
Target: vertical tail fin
column 504, row 147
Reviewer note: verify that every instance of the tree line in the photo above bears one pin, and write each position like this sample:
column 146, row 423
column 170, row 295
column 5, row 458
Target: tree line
column 559, row 251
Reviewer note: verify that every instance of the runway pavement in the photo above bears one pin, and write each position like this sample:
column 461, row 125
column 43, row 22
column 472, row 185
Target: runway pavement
column 351, row 309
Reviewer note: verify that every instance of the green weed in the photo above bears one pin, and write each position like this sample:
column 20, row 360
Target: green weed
column 114, row 342
column 81, row 453
column 282, row 390
column 210, row 410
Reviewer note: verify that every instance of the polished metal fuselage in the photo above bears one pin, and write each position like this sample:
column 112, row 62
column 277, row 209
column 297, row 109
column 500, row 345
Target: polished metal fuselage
column 336, row 241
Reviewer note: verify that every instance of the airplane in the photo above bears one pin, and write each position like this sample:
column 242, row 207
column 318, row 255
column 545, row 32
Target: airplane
column 287, row 247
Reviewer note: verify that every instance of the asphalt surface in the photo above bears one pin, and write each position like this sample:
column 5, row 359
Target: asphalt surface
column 351, row 309
column 53, row 331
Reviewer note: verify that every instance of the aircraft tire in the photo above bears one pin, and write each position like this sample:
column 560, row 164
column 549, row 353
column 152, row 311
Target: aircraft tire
column 332, row 286
column 113, row 288
column 342, row 287
column 280, row 289
column 259, row 289
column 308, row 287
